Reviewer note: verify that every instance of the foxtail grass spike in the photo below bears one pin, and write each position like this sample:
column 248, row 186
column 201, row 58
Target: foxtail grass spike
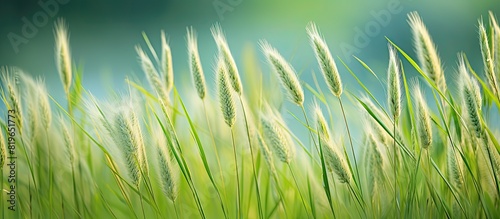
column 195, row 64
column 469, row 99
column 394, row 84
column 285, row 72
column 325, row 60
column 63, row 54
column 166, row 63
column 227, row 57
column 277, row 139
column 488, row 61
column 427, row 54
column 423, row 118
column 226, row 98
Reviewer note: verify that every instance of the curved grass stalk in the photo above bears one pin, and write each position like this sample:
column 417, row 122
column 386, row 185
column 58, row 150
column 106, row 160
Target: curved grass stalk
column 238, row 191
column 259, row 202
column 298, row 189
column 357, row 178
column 215, row 150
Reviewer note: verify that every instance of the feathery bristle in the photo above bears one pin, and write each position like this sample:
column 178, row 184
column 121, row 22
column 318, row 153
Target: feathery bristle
column 489, row 68
column 127, row 136
column 232, row 69
column 423, row 118
column 195, row 64
column 151, row 74
column 30, row 97
column 335, row 161
column 277, row 138
column 454, row 167
column 10, row 77
column 375, row 161
column 166, row 63
column 225, row 94
column 267, row 154
column 285, row 72
column 469, row 97
column 381, row 133
column 426, row 51
column 167, row 174
column 496, row 43
column 394, row 84
column 321, row 124
column 139, row 141
column 325, row 60
column 68, row 140
column 63, row 54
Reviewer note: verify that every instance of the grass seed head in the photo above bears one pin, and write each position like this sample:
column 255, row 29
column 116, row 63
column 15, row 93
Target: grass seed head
column 375, row 161
column 10, row 78
column 496, row 42
column 68, row 140
column 285, row 72
column 454, row 166
column 277, row 138
column 166, row 63
column 63, row 54
column 335, row 161
column 195, row 64
column 423, row 118
column 469, row 98
column 394, row 84
column 167, row 174
column 267, row 154
column 426, row 51
column 128, row 136
column 226, row 98
column 151, row 73
column 227, row 57
column 325, row 60
column 488, row 62
column 321, row 124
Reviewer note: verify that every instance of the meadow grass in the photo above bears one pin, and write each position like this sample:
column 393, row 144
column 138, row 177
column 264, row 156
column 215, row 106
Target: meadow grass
column 424, row 151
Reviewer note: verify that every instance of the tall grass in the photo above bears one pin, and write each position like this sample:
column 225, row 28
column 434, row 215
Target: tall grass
column 424, row 151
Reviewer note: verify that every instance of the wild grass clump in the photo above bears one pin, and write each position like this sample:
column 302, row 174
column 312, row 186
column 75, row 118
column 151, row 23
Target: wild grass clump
column 426, row 151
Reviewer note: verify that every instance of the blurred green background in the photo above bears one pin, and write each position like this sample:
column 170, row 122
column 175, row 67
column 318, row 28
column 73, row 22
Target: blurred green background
column 103, row 34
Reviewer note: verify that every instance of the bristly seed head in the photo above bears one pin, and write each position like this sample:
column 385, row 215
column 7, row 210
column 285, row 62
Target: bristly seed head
column 267, row 154
column 277, row 138
column 495, row 50
column 423, row 118
column 10, row 78
column 63, row 54
column 325, row 60
column 152, row 74
column 195, row 64
column 394, row 84
column 167, row 174
column 128, row 135
column 225, row 94
column 232, row 69
column 470, row 95
column 166, row 65
column 321, row 124
column 426, row 51
column 488, row 61
column 285, row 72
column 68, row 140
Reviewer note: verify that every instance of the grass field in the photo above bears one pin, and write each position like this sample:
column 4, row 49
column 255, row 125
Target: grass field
column 427, row 151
